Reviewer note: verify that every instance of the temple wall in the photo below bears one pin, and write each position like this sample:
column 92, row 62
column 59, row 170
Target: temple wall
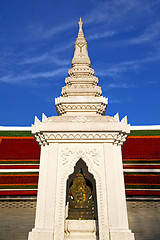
column 17, row 219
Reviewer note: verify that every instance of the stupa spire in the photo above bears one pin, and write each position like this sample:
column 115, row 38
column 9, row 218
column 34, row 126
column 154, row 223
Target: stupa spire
column 80, row 33
column 80, row 23
column 81, row 93
column 80, row 50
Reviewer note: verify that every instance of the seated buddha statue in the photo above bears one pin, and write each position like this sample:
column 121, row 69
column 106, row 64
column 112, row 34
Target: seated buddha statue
column 81, row 204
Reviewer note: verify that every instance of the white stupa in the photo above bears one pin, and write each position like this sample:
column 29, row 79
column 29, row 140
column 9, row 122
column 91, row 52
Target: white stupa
column 78, row 146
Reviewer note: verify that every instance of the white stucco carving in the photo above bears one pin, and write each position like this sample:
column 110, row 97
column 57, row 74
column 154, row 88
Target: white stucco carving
column 68, row 168
column 82, row 119
column 79, row 153
column 81, row 131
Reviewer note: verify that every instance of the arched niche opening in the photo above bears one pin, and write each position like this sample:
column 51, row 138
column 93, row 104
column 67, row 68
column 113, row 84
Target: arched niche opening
column 81, row 172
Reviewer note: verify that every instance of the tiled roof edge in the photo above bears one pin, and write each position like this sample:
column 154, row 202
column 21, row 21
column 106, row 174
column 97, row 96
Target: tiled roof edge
column 151, row 127
column 28, row 128
column 15, row 128
column 153, row 130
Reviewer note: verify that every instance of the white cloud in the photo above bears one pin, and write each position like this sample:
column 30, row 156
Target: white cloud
column 111, row 13
column 62, row 48
column 118, row 100
column 150, row 34
column 105, row 34
column 114, row 70
column 28, row 77
column 39, row 31
column 119, row 85
column 117, row 11
column 45, row 58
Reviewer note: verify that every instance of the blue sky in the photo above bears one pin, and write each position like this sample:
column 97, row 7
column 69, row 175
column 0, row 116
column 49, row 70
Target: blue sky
column 36, row 48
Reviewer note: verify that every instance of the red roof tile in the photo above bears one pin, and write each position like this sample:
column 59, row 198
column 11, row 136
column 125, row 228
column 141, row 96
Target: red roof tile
column 26, row 148
column 141, row 148
column 19, row 148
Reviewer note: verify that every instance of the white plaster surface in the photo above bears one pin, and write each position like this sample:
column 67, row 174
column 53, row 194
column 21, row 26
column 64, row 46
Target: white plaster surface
column 80, row 229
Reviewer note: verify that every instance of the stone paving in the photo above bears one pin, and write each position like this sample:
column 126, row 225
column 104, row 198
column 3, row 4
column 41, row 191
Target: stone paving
column 17, row 219
column 144, row 219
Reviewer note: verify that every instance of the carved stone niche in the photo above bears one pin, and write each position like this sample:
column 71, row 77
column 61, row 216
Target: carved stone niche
column 82, row 228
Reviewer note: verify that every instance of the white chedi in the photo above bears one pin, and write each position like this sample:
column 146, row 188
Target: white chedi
column 80, row 134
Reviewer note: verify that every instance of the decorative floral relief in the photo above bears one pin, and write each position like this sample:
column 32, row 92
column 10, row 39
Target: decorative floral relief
column 91, row 153
column 69, row 158
column 81, row 119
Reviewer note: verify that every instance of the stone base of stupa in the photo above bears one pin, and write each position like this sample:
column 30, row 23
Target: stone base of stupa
column 121, row 234
column 80, row 229
column 41, row 234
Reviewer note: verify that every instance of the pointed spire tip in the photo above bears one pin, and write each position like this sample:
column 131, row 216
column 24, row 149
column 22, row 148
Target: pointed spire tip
column 80, row 23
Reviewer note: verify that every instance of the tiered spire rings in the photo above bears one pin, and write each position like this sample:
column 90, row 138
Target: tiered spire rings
column 81, row 93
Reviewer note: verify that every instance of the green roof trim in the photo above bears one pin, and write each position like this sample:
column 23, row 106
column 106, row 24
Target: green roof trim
column 145, row 133
column 26, row 133
column 19, row 162
column 150, row 161
column 16, row 133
